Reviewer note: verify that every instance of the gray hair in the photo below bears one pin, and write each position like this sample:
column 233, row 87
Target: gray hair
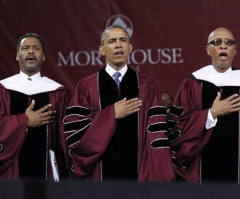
column 103, row 35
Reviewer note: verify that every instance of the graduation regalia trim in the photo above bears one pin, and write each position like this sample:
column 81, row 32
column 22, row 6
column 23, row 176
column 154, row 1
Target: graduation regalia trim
column 188, row 116
column 153, row 154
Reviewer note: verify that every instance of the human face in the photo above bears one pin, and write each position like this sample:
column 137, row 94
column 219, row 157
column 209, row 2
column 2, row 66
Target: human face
column 222, row 54
column 167, row 100
column 30, row 56
column 116, row 48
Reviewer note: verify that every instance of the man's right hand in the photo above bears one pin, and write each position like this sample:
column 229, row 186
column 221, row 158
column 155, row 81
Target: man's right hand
column 226, row 106
column 126, row 107
column 39, row 117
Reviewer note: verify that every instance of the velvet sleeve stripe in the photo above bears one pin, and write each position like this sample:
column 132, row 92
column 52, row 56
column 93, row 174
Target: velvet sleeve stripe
column 76, row 137
column 171, row 123
column 80, row 124
column 156, row 111
column 176, row 110
column 174, row 161
column 160, row 143
column 70, row 152
column 157, row 127
column 174, row 135
column 72, row 169
column 77, row 110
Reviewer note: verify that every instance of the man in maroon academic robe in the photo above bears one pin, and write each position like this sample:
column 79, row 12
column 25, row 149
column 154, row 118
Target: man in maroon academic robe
column 31, row 112
column 204, row 120
column 116, row 132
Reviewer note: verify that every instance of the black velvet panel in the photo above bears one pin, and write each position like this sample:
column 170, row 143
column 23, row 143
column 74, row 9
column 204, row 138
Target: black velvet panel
column 160, row 143
column 77, row 125
column 83, row 125
column 171, row 123
column 154, row 111
column 220, row 155
column 176, row 110
column 32, row 157
column 174, row 135
column 108, row 89
column 158, row 127
column 120, row 159
column 77, row 110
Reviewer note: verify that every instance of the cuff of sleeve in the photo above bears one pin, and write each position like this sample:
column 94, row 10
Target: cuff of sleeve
column 210, row 123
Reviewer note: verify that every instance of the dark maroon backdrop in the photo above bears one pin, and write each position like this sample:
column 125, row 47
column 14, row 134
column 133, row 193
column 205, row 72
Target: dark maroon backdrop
column 169, row 37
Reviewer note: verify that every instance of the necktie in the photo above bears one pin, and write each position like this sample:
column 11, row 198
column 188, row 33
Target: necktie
column 116, row 75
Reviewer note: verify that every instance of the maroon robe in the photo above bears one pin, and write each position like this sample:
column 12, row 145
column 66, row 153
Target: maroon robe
column 89, row 128
column 199, row 154
column 14, row 132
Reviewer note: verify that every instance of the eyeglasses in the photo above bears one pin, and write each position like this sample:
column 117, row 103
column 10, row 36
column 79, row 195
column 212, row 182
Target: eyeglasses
column 218, row 41
column 167, row 98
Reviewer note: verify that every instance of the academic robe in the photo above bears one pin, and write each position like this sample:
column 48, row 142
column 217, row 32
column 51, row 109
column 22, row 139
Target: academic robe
column 91, row 130
column 201, row 155
column 14, row 130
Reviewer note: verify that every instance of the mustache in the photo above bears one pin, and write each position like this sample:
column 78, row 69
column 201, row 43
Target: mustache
column 223, row 54
column 30, row 57
column 118, row 52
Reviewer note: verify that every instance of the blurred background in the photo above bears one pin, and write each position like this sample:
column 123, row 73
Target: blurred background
column 169, row 37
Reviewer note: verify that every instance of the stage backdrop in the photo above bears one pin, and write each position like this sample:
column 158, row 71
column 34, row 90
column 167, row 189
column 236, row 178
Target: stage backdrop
column 169, row 36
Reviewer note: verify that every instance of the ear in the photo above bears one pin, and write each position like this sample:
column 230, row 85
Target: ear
column 44, row 57
column 130, row 48
column 102, row 50
column 235, row 50
column 208, row 50
column 17, row 57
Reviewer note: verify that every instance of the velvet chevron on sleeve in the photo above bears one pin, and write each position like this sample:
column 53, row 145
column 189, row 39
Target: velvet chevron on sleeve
column 135, row 147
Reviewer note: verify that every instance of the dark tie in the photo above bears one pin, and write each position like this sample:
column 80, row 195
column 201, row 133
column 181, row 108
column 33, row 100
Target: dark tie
column 116, row 75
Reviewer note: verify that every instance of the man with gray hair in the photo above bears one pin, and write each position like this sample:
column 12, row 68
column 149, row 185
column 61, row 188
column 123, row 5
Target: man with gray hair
column 115, row 125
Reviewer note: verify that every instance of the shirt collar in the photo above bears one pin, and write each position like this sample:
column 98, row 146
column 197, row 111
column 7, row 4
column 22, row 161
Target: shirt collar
column 229, row 70
column 35, row 76
column 111, row 71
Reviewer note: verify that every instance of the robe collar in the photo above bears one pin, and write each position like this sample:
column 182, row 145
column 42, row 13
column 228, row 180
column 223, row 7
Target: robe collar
column 209, row 74
column 30, row 85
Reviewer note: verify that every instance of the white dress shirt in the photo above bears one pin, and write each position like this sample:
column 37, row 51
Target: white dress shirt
column 111, row 71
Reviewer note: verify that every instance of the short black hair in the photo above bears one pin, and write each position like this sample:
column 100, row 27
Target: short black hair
column 31, row 35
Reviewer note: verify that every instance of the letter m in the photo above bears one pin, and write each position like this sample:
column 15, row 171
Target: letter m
column 68, row 61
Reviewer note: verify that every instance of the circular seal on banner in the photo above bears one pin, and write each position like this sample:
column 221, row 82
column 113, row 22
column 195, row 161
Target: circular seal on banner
column 121, row 20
